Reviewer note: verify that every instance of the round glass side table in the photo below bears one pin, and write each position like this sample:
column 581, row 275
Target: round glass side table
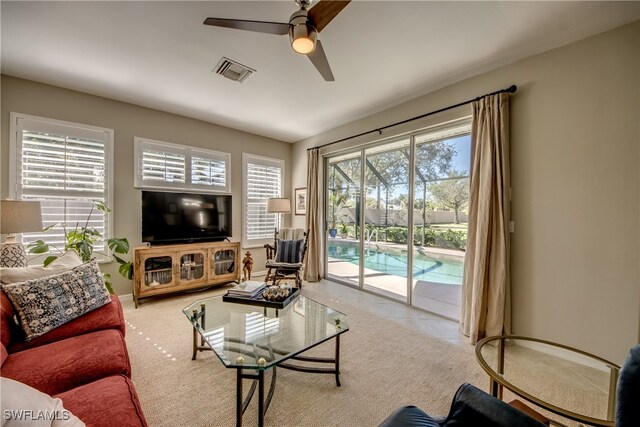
column 566, row 381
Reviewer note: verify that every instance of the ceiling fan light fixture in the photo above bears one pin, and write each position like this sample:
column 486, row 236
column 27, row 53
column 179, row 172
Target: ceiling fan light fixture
column 303, row 38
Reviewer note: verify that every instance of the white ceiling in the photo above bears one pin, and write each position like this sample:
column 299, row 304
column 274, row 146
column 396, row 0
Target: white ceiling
column 160, row 55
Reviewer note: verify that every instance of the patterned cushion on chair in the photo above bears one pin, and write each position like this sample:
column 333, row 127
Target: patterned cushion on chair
column 289, row 251
column 45, row 303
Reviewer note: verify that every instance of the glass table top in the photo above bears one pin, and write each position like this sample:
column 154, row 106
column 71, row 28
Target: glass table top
column 567, row 381
column 241, row 335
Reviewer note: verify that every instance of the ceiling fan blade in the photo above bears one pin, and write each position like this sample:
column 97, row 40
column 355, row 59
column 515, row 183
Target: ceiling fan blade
column 258, row 26
column 322, row 13
column 319, row 60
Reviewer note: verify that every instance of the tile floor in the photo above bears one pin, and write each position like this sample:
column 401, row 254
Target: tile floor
column 437, row 298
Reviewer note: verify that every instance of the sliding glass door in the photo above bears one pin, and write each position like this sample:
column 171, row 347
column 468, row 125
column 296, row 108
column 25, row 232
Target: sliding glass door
column 441, row 200
column 396, row 217
column 386, row 216
column 342, row 215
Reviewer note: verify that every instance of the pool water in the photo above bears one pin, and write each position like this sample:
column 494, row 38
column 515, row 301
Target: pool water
column 427, row 267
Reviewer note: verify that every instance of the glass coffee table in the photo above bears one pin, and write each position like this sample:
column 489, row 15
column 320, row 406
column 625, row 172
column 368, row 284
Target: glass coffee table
column 564, row 380
column 253, row 339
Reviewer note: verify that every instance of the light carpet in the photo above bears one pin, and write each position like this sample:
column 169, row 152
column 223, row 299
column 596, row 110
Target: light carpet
column 384, row 365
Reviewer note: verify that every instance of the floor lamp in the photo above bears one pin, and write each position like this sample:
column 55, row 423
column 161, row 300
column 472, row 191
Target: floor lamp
column 17, row 216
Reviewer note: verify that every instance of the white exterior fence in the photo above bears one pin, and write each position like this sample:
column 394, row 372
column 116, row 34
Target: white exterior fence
column 398, row 217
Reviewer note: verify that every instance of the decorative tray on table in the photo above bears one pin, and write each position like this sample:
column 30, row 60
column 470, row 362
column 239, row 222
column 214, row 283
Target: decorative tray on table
column 260, row 301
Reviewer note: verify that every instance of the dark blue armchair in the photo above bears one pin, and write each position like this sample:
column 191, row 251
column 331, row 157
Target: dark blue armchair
column 628, row 398
column 471, row 407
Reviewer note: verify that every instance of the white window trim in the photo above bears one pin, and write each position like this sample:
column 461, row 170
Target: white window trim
column 246, row 157
column 139, row 143
column 15, row 128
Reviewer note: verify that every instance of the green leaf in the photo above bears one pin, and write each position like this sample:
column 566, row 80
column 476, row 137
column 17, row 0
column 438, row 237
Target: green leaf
column 101, row 206
column 107, row 282
column 38, row 247
column 126, row 270
column 84, row 249
column 119, row 246
column 51, row 227
column 92, row 232
column 75, row 236
column 48, row 260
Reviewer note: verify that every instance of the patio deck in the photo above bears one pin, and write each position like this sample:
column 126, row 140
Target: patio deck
column 438, row 298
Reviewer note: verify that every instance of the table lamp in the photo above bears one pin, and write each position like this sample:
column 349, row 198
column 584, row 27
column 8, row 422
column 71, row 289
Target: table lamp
column 279, row 205
column 17, row 216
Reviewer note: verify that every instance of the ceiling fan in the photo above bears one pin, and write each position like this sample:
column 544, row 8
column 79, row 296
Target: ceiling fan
column 303, row 28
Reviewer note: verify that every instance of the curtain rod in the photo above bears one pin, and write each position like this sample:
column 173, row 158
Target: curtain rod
column 510, row 89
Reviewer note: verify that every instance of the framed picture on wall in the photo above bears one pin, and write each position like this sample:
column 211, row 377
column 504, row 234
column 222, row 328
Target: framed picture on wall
column 300, row 200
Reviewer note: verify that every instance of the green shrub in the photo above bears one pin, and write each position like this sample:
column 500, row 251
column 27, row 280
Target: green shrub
column 396, row 234
column 429, row 236
column 434, row 237
column 351, row 231
column 451, row 239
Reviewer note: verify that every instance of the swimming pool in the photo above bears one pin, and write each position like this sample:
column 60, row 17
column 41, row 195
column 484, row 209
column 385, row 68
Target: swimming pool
column 426, row 266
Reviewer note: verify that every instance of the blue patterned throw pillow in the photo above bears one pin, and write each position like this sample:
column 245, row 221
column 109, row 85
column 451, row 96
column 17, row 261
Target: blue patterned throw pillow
column 44, row 304
column 289, row 251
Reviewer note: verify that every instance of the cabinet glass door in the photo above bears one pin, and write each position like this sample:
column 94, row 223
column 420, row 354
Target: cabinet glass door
column 191, row 266
column 158, row 271
column 224, row 262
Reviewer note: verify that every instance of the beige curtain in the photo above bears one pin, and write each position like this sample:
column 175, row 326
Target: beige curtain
column 486, row 307
column 313, row 264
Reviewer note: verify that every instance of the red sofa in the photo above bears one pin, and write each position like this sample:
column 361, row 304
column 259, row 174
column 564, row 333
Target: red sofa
column 84, row 363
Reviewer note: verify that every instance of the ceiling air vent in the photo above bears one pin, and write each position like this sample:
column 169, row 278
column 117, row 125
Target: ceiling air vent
column 233, row 70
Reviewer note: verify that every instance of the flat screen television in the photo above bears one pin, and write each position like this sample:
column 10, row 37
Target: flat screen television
column 169, row 218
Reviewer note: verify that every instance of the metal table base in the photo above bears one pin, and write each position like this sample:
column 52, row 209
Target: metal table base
column 258, row 375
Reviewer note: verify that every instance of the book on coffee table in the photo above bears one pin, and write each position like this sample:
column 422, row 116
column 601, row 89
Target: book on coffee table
column 247, row 289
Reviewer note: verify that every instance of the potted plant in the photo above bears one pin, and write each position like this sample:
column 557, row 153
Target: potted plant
column 81, row 239
column 344, row 231
column 337, row 200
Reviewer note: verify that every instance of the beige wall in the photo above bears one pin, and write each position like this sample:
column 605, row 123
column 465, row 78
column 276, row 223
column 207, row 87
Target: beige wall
column 27, row 97
column 575, row 148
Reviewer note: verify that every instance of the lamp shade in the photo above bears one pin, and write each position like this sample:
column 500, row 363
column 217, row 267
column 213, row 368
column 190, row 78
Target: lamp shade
column 278, row 205
column 18, row 216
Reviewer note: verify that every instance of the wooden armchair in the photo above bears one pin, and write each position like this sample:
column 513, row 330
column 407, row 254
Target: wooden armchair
column 289, row 262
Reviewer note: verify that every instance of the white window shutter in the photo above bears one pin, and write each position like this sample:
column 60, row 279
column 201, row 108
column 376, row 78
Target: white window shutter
column 263, row 179
column 166, row 165
column 210, row 170
column 65, row 167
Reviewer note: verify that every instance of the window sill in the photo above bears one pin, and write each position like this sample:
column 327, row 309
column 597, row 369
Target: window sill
column 255, row 245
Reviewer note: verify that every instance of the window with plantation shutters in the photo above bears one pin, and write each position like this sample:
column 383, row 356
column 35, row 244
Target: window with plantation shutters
column 165, row 165
column 209, row 169
column 65, row 166
column 263, row 179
